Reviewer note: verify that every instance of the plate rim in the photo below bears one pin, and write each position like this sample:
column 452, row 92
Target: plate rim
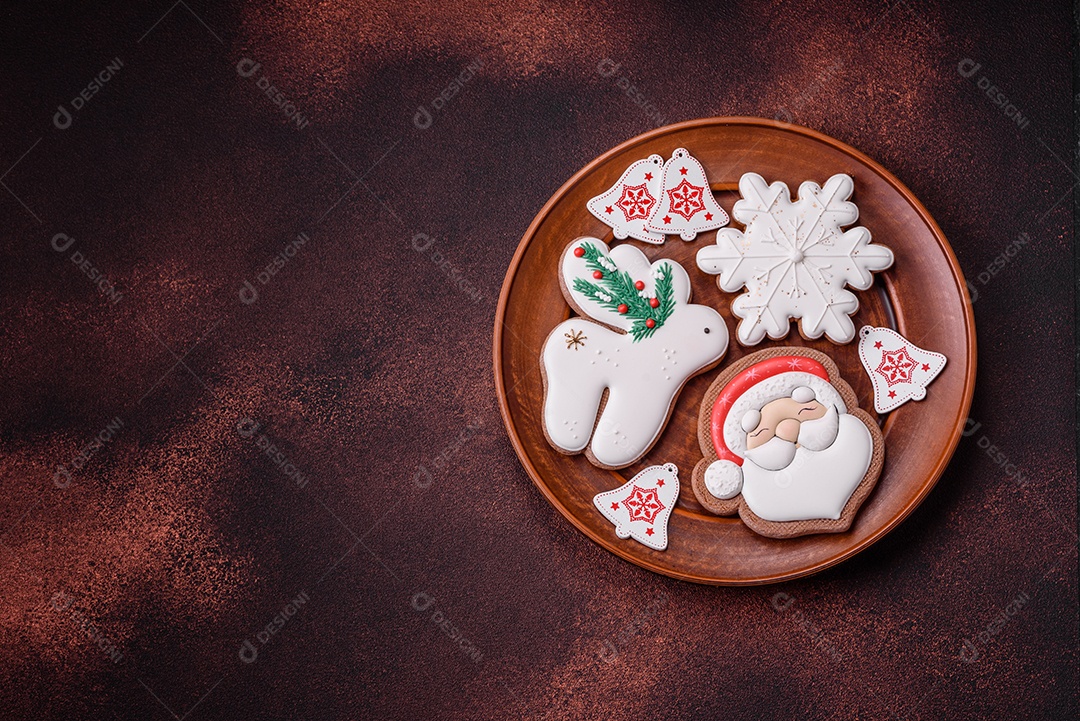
column 916, row 204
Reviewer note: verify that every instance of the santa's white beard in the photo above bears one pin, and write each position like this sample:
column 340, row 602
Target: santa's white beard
column 816, row 435
column 816, row 484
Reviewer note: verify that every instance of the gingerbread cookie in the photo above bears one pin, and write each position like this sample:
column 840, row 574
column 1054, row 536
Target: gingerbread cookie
column 641, row 507
column 687, row 206
column 899, row 370
column 794, row 260
column 786, row 445
column 627, row 205
column 626, row 359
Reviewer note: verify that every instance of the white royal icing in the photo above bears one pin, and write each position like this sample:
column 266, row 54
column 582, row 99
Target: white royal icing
column 794, row 260
column 723, row 479
column 899, row 370
column 642, row 377
column 686, row 204
column 627, row 205
column 817, row 484
column 640, row 508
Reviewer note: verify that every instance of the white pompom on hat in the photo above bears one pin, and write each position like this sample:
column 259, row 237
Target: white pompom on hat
column 739, row 405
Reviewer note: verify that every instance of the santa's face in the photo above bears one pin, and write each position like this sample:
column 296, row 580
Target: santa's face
column 781, row 427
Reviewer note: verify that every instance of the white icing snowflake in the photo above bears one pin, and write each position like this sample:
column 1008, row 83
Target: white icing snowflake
column 794, row 260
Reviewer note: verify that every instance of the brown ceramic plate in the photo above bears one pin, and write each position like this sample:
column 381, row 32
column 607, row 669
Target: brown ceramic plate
column 923, row 296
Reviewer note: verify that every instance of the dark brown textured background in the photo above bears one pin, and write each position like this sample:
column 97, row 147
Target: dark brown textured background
column 437, row 580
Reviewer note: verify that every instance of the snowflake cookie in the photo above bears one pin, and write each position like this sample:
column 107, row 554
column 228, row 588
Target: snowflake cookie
column 794, row 260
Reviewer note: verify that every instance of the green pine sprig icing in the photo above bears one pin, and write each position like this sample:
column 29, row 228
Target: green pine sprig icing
column 617, row 288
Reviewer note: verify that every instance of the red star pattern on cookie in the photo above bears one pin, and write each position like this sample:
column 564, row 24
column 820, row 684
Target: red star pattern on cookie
column 649, row 531
column 899, row 370
column 635, row 201
column 648, row 176
column 896, row 366
column 682, row 171
column 643, row 504
column 609, row 209
column 660, row 483
column 686, row 199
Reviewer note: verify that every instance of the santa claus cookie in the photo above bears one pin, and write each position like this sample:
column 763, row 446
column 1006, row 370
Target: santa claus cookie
column 626, row 359
column 786, row 445
column 794, row 260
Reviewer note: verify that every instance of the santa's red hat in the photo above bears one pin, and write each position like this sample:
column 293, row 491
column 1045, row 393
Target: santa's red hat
column 737, row 410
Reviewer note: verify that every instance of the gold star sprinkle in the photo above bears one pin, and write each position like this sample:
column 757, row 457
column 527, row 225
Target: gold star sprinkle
column 575, row 338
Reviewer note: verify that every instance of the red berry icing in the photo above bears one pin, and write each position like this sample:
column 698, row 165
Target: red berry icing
column 654, row 302
column 650, row 323
column 623, row 308
column 579, row 251
column 597, row 274
column 640, row 285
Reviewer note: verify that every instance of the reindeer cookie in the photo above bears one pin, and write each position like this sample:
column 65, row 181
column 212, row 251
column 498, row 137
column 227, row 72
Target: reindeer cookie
column 626, row 359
